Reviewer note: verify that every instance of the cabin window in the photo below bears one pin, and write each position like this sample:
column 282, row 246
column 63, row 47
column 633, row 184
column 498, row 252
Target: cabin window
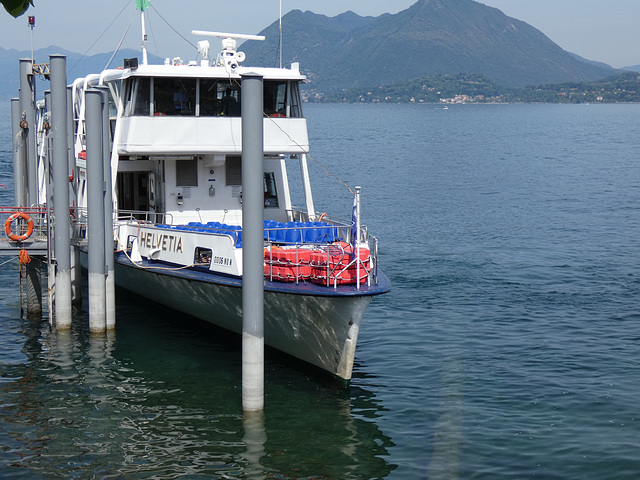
column 202, row 257
column 174, row 96
column 270, row 192
column 187, row 173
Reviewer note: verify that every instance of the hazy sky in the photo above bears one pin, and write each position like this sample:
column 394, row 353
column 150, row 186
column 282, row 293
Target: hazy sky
column 602, row 30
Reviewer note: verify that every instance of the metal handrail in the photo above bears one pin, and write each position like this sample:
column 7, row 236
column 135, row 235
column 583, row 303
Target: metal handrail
column 145, row 216
column 333, row 273
column 37, row 214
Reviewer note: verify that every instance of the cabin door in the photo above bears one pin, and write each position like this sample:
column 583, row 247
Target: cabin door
column 133, row 191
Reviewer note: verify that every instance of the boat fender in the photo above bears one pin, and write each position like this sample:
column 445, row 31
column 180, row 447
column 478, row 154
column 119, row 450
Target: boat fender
column 13, row 236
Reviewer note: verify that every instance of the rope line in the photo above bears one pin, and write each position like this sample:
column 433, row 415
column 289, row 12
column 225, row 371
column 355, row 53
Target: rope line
column 115, row 52
column 127, row 3
column 172, row 28
column 309, row 155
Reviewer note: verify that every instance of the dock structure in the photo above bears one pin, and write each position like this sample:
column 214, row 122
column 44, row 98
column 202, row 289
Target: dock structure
column 174, row 178
column 41, row 227
column 37, row 242
column 33, row 252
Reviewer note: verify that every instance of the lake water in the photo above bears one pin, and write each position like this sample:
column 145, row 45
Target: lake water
column 509, row 346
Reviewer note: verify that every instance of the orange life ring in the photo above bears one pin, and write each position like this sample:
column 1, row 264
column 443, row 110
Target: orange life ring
column 13, row 236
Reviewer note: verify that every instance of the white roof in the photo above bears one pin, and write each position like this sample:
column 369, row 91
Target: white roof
column 198, row 71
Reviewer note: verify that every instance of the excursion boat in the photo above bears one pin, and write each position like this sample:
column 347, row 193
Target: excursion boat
column 175, row 132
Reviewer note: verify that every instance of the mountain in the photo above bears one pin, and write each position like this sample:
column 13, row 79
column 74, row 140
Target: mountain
column 348, row 51
column 431, row 37
column 77, row 66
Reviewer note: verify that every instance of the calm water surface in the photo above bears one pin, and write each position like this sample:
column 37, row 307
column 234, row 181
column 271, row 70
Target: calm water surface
column 508, row 348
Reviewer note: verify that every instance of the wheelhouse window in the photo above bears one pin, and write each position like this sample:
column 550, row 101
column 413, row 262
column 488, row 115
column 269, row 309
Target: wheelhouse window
column 281, row 99
column 275, row 99
column 137, row 96
column 219, row 98
column 206, row 97
column 174, row 96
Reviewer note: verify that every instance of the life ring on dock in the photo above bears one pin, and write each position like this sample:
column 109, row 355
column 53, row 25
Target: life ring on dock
column 13, row 236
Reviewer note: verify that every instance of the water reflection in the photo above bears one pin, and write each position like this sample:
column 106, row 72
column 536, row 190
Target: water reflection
column 254, row 439
column 162, row 399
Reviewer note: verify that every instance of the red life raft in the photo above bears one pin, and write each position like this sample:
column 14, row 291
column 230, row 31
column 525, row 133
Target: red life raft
column 333, row 265
column 337, row 265
column 287, row 264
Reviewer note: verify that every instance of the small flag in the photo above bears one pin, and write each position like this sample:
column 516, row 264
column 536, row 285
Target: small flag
column 142, row 4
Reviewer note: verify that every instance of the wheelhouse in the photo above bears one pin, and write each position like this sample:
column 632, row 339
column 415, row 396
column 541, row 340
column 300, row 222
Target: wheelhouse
column 176, row 141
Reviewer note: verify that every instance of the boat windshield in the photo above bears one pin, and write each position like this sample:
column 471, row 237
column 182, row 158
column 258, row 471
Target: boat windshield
column 205, row 97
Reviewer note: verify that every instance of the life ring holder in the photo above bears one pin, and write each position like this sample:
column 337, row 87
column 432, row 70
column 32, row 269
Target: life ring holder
column 13, row 236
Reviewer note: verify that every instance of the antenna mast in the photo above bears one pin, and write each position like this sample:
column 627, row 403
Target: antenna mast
column 32, row 24
column 142, row 5
column 280, row 33
column 144, row 40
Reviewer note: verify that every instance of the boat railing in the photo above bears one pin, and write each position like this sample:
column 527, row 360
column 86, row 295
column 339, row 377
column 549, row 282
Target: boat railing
column 145, row 216
column 318, row 252
column 331, row 259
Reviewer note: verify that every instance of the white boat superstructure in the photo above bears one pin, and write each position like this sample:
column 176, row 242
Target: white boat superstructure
column 176, row 149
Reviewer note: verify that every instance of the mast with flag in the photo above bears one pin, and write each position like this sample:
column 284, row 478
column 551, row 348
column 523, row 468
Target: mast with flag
column 142, row 5
column 355, row 234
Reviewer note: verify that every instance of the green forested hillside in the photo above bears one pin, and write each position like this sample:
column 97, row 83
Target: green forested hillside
column 462, row 88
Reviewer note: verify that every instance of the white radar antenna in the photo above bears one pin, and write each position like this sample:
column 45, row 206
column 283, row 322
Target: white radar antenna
column 228, row 57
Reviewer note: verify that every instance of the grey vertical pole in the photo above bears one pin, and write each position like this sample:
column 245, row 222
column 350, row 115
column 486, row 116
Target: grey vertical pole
column 252, row 244
column 76, row 268
column 60, row 165
column 110, row 286
column 46, row 150
column 73, row 196
column 27, row 106
column 95, row 213
column 18, row 154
